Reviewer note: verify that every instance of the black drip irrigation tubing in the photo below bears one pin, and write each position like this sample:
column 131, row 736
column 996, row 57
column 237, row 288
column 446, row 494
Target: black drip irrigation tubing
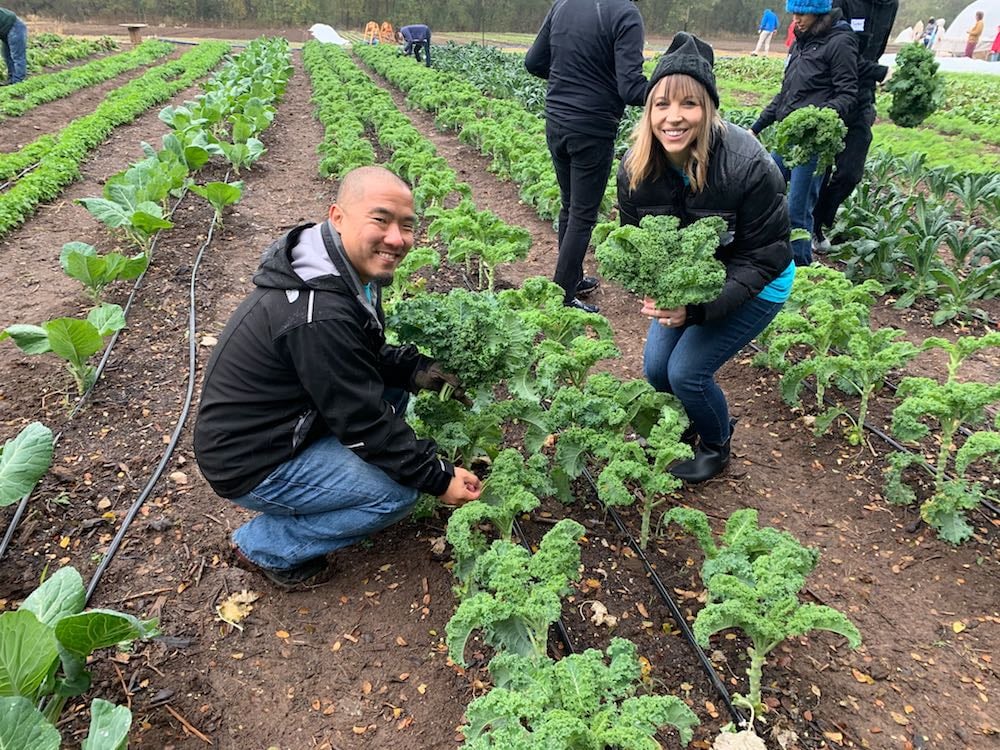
column 23, row 503
column 561, row 630
column 178, row 428
column 891, row 441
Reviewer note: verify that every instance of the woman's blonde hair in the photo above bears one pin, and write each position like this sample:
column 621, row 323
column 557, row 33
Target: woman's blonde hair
column 647, row 159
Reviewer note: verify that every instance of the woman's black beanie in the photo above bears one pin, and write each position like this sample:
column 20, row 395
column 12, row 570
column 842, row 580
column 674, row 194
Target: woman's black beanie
column 687, row 55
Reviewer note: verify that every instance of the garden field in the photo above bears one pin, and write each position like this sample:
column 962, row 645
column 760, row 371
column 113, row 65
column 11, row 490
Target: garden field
column 867, row 433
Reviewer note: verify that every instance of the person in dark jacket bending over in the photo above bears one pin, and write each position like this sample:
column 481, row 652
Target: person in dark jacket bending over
column 686, row 162
column 301, row 415
column 14, row 37
column 822, row 70
column 591, row 53
column 871, row 21
column 415, row 37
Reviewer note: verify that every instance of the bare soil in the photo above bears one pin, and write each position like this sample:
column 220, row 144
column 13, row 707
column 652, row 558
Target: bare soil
column 360, row 662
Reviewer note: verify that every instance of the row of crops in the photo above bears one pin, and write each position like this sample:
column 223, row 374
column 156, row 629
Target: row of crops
column 623, row 431
column 52, row 50
column 50, row 636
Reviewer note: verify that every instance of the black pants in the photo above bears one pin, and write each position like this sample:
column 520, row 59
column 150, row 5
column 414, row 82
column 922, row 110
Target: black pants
column 582, row 165
column 849, row 169
column 426, row 46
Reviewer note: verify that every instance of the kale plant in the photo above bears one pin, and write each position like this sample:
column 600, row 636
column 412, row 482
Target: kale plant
column 658, row 259
column 753, row 578
column 808, row 132
column 585, row 700
column 916, row 86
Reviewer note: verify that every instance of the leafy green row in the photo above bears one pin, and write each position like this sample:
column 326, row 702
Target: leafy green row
column 50, row 50
column 61, row 163
column 826, row 323
column 21, row 97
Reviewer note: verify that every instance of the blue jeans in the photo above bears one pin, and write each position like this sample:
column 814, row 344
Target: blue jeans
column 803, row 191
column 683, row 361
column 15, row 47
column 323, row 499
column 582, row 164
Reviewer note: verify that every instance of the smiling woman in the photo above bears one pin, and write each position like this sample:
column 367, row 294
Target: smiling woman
column 686, row 162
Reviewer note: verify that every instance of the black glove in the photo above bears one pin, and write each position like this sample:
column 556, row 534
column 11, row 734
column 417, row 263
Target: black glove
column 433, row 378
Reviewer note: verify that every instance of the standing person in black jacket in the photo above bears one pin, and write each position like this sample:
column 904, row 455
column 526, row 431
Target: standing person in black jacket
column 686, row 162
column 822, row 70
column 591, row 53
column 301, row 415
column 871, row 21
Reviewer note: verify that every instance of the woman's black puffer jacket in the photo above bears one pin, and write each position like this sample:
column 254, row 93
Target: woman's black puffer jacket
column 822, row 71
column 746, row 189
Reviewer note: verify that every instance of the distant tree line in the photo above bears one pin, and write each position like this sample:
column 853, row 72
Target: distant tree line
column 662, row 17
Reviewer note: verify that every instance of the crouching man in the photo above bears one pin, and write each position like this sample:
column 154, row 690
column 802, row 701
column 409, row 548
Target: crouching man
column 301, row 415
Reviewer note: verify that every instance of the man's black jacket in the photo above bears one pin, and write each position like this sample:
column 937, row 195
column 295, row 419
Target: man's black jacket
column 301, row 359
column 746, row 189
column 591, row 53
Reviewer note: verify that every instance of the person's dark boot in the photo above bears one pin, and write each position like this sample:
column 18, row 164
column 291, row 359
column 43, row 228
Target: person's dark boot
column 690, row 436
column 709, row 461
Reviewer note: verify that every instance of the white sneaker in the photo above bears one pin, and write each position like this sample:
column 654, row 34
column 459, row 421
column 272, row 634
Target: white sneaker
column 821, row 246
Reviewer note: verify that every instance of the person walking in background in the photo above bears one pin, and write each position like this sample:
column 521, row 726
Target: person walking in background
column 590, row 51
column 768, row 25
column 822, row 71
column 872, row 22
column 686, row 162
column 975, row 31
column 930, row 33
column 415, row 37
column 14, row 35
column 995, row 49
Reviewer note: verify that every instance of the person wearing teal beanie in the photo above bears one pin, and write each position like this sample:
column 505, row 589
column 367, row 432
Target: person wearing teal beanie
column 822, row 71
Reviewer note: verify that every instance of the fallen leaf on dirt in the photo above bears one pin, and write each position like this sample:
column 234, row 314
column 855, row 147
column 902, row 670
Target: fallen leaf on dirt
column 178, row 477
column 235, row 607
column 786, row 738
column 404, row 723
column 746, row 740
column 899, row 718
column 958, row 626
column 359, row 730
column 712, row 711
column 282, row 634
column 64, row 542
column 642, row 609
column 862, row 677
column 209, row 341
column 599, row 615
column 593, row 583
column 400, row 641
column 366, row 687
column 422, row 688
column 834, row 737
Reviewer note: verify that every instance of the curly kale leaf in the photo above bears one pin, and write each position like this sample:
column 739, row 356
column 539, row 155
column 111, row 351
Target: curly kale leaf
column 471, row 334
column 676, row 267
column 808, row 132
column 916, row 86
column 585, row 700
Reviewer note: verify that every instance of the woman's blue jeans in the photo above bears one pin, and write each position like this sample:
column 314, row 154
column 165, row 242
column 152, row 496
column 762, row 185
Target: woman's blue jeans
column 323, row 499
column 15, row 47
column 803, row 191
column 683, row 361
